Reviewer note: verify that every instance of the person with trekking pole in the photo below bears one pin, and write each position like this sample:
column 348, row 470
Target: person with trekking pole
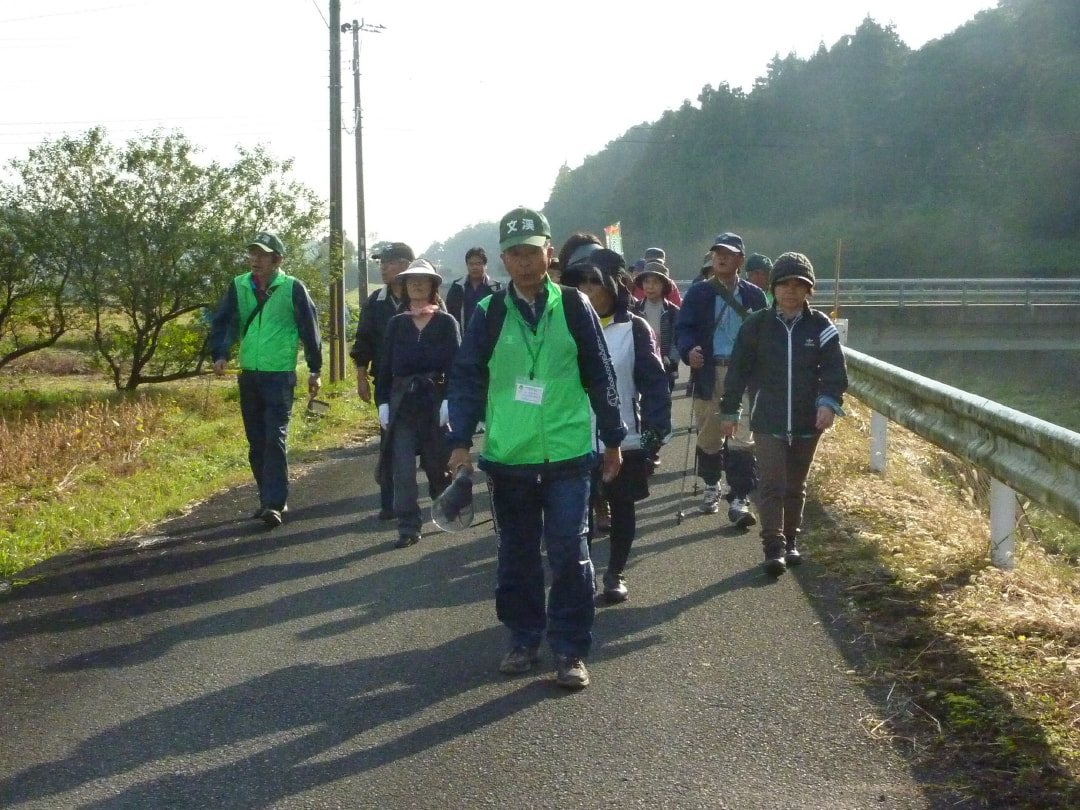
column 712, row 312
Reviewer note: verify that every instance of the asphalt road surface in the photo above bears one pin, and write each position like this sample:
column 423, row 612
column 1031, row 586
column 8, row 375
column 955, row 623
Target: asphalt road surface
column 218, row 664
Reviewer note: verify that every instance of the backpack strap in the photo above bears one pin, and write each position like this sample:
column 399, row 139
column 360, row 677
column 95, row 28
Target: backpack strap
column 496, row 313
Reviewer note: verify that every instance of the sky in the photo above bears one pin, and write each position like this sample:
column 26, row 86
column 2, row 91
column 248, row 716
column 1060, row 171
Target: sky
column 469, row 108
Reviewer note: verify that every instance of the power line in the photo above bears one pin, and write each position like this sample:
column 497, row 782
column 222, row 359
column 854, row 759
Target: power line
column 327, row 24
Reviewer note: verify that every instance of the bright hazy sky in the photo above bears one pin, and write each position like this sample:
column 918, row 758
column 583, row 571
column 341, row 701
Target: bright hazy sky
column 469, row 107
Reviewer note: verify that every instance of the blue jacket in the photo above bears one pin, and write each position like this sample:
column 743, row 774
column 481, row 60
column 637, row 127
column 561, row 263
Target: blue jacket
column 696, row 322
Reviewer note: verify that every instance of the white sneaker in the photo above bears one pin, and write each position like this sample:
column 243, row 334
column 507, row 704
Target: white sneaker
column 739, row 514
column 711, row 503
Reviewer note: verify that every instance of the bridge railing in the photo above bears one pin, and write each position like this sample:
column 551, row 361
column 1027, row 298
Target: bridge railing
column 1021, row 453
column 943, row 292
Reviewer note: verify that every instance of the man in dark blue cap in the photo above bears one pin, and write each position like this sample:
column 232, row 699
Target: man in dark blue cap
column 705, row 329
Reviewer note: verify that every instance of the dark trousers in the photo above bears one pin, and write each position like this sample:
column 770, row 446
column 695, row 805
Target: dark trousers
column 782, row 492
column 266, row 400
column 530, row 513
column 386, row 488
column 408, row 433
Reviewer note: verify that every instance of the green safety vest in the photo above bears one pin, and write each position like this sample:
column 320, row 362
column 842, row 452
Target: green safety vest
column 272, row 338
column 558, row 429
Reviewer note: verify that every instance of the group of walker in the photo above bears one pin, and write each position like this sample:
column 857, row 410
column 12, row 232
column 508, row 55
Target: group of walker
column 571, row 385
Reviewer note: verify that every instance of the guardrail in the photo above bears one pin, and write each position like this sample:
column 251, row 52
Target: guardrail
column 943, row 292
column 1022, row 453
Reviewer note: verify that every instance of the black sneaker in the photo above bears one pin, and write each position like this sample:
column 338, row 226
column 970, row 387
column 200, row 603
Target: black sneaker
column 792, row 555
column 258, row 513
column 386, row 514
column 615, row 589
column 518, row 660
column 406, row 540
column 570, row 672
column 775, row 566
column 271, row 517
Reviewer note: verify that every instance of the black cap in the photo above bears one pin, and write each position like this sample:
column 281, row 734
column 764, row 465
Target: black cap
column 792, row 265
column 394, row 252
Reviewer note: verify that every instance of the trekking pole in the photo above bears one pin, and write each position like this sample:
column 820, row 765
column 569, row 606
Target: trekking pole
column 691, row 431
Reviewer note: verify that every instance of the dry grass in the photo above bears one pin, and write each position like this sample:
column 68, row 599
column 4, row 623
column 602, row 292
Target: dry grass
column 39, row 457
column 977, row 666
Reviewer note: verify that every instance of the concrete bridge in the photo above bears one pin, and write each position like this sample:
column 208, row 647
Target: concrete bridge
column 962, row 314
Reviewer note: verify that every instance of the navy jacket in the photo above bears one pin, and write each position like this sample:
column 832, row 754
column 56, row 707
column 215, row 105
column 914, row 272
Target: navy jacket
column 461, row 299
column 696, row 322
column 468, row 384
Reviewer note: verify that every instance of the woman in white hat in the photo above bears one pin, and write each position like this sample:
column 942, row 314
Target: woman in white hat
column 410, row 389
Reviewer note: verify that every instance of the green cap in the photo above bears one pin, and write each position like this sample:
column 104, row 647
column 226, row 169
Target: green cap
column 523, row 226
column 268, row 242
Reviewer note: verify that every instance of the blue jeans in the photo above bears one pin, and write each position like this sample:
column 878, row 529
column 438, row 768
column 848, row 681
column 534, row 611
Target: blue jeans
column 266, row 400
column 528, row 512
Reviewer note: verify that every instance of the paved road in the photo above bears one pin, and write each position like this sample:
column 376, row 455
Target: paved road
column 221, row 665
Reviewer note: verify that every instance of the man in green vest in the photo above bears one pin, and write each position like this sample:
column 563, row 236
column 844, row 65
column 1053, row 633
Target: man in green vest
column 532, row 361
column 270, row 313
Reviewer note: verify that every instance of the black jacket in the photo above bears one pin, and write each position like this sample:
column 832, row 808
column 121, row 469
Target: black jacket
column 791, row 368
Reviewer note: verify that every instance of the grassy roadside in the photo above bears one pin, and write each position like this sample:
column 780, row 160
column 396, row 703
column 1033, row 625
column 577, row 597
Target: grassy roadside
column 95, row 466
column 975, row 669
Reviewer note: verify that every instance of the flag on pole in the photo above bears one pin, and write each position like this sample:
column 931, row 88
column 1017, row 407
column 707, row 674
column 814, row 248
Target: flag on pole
column 613, row 236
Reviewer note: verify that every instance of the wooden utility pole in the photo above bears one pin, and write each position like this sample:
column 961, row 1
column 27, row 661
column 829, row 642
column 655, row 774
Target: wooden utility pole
column 337, row 252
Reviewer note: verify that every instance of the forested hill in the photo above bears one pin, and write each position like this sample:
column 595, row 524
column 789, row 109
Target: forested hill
column 960, row 158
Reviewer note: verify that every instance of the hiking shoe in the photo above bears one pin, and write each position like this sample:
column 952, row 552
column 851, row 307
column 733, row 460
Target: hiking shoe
column 258, row 513
column 710, row 505
column 570, row 672
column 615, row 589
column 739, row 513
column 791, row 554
column 518, row 660
column 774, row 566
column 271, row 517
column 406, row 540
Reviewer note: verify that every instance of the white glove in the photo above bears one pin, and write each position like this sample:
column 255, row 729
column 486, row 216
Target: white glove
column 444, row 414
column 384, row 415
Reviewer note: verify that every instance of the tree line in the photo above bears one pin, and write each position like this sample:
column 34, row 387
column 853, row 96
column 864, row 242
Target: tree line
column 132, row 245
column 961, row 158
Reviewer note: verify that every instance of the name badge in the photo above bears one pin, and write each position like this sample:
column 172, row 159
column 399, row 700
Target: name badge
column 529, row 391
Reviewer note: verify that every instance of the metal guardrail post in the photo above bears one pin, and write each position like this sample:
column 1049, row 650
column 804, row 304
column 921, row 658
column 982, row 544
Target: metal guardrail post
column 1002, row 525
column 1033, row 457
column 879, row 442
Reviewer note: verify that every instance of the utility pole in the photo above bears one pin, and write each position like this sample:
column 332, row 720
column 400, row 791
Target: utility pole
column 361, row 224
column 337, row 252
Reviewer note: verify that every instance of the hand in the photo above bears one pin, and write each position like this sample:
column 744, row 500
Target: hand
column 612, row 463
column 314, row 383
column 459, row 457
column 363, row 387
column 219, row 367
column 444, row 414
column 729, row 428
column 825, row 418
column 384, row 415
column 696, row 358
